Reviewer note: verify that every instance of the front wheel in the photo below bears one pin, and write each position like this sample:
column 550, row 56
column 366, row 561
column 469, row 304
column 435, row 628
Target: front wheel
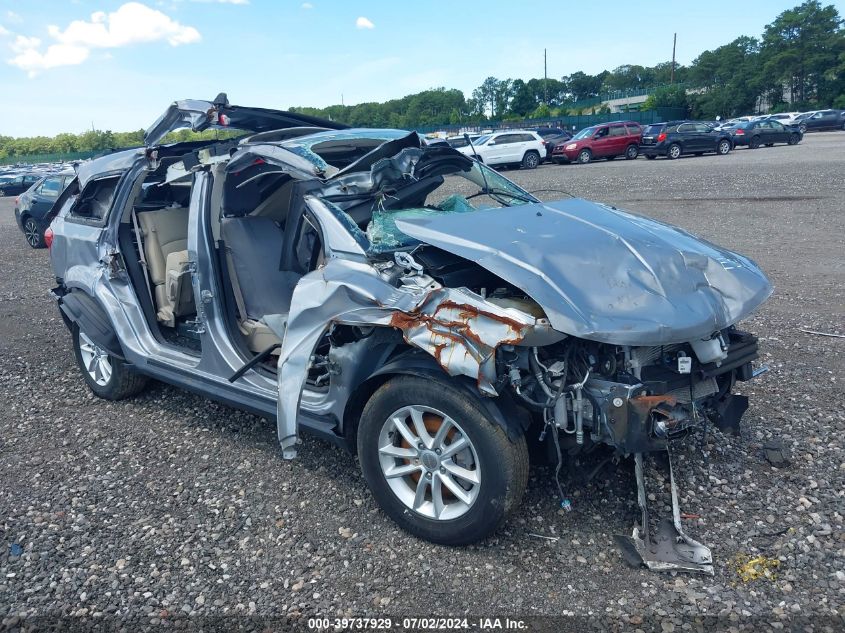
column 585, row 156
column 724, row 147
column 794, row 138
column 106, row 375
column 632, row 152
column 32, row 233
column 530, row 160
column 436, row 464
column 674, row 151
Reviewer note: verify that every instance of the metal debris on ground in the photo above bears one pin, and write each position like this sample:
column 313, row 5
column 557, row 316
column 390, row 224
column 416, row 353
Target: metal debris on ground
column 548, row 538
column 831, row 334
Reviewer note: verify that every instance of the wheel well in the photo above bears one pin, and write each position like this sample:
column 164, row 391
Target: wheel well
column 81, row 309
column 501, row 410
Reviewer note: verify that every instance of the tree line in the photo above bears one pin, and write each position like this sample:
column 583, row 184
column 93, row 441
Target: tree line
column 798, row 63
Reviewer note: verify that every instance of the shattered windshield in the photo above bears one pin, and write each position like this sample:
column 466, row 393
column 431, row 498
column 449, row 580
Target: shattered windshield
column 475, row 191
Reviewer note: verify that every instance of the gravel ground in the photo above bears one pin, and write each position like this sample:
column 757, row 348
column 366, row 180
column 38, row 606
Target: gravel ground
column 172, row 508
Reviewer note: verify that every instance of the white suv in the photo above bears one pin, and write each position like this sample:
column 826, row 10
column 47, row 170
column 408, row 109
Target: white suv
column 509, row 147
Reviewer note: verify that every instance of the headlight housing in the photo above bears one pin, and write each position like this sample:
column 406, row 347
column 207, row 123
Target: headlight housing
column 571, row 146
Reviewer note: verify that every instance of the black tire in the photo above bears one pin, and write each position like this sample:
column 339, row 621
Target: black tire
column 584, row 156
column 794, row 138
column 531, row 160
column 754, row 142
column 503, row 464
column 632, row 152
column 2, row 193
column 650, row 156
column 724, row 147
column 122, row 383
column 674, row 151
column 32, row 233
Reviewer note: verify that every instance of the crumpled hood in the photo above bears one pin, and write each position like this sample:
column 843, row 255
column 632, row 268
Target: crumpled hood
column 604, row 274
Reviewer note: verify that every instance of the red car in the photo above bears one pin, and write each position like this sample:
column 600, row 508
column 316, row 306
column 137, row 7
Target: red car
column 606, row 140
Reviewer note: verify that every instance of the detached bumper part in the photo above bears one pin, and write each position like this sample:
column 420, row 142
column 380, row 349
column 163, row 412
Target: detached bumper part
column 669, row 549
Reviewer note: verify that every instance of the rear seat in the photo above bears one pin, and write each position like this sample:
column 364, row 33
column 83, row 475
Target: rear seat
column 165, row 233
column 254, row 252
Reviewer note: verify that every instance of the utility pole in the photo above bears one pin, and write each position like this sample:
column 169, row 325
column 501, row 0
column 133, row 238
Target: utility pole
column 674, row 43
column 545, row 78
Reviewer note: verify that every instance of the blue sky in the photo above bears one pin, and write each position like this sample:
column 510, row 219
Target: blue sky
column 65, row 64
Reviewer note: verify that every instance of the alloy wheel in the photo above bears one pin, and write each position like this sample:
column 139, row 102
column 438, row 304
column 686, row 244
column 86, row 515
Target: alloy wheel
column 429, row 463
column 724, row 147
column 674, row 151
column 31, row 233
column 96, row 360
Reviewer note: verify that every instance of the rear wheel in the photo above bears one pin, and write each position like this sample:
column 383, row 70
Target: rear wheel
column 436, row 464
column 724, row 147
column 754, row 143
column 530, row 160
column 794, row 138
column 32, row 233
column 674, row 151
column 632, row 152
column 106, row 375
column 585, row 156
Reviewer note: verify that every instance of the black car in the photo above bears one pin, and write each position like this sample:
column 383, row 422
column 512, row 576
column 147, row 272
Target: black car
column 13, row 184
column 821, row 120
column 766, row 132
column 32, row 207
column 551, row 136
column 674, row 138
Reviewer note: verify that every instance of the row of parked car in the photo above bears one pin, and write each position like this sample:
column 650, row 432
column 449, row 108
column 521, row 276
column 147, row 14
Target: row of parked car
column 530, row 147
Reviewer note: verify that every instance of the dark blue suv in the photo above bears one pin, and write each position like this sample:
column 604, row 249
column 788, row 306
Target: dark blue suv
column 32, row 206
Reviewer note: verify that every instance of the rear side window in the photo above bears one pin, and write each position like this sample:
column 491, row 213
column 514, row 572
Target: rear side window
column 523, row 138
column 634, row 130
column 95, row 200
column 617, row 130
column 51, row 187
column 653, row 130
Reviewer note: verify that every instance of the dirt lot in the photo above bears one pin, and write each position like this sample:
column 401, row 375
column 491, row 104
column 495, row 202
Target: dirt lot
column 170, row 506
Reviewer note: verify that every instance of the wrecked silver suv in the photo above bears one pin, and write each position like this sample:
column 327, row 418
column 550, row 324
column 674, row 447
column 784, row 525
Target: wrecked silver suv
column 402, row 300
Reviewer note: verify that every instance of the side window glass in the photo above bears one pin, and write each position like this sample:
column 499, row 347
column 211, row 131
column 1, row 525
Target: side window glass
column 601, row 133
column 51, row 188
column 95, row 200
column 686, row 127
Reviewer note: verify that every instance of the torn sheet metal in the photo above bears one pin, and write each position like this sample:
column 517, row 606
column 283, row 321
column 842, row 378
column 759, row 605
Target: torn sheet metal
column 456, row 326
column 604, row 274
column 670, row 549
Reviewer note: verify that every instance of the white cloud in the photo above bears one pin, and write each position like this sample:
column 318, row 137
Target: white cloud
column 224, row 1
column 364, row 23
column 307, row 5
column 4, row 32
column 13, row 17
column 132, row 23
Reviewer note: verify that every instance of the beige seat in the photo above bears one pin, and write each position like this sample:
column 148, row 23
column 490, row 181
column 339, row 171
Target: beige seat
column 165, row 233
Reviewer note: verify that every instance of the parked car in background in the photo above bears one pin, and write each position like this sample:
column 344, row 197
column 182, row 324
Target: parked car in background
column 607, row 140
column 552, row 136
column 767, row 132
column 675, row 138
column 787, row 118
column 12, row 185
column 461, row 141
column 33, row 206
column 508, row 147
column 821, row 120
